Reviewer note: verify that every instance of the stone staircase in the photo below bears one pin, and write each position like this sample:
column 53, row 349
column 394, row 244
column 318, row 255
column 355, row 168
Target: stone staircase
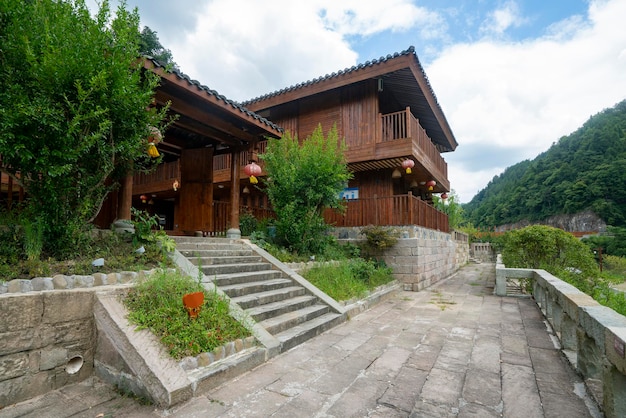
column 286, row 308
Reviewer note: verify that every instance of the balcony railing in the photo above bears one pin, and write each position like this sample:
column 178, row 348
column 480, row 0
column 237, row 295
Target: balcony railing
column 403, row 125
column 157, row 180
column 388, row 211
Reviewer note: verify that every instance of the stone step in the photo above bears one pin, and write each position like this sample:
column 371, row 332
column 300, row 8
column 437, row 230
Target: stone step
column 207, row 261
column 241, row 289
column 234, row 268
column 270, row 310
column 216, row 253
column 245, row 277
column 288, row 320
column 189, row 246
column 307, row 330
column 211, row 240
column 257, row 299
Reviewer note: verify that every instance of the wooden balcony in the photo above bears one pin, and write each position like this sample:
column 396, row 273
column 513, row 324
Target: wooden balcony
column 399, row 135
column 389, row 211
column 159, row 180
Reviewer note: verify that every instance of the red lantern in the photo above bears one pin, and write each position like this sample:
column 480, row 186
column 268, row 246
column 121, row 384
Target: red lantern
column 444, row 196
column 252, row 170
column 143, row 198
column 408, row 165
column 431, row 185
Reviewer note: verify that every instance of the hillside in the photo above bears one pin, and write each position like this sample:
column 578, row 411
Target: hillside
column 583, row 171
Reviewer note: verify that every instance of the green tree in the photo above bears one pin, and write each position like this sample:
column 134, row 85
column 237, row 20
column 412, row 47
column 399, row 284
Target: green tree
column 74, row 108
column 451, row 208
column 551, row 249
column 303, row 180
column 150, row 45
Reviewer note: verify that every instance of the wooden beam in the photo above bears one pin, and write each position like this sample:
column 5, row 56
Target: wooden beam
column 205, row 96
column 178, row 105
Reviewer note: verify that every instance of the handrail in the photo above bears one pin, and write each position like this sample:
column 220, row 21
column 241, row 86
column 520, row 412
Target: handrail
column 164, row 171
column 388, row 211
column 403, row 125
column 593, row 336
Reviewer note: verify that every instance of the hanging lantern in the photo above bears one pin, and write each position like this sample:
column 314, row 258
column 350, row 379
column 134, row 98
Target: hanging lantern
column 431, row 185
column 444, row 196
column 152, row 150
column 153, row 139
column 408, row 164
column 155, row 135
column 176, row 185
column 143, row 198
column 252, row 170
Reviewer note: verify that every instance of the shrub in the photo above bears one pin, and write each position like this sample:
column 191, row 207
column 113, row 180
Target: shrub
column 380, row 237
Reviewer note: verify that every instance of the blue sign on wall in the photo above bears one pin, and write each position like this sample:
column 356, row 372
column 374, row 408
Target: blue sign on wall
column 349, row 193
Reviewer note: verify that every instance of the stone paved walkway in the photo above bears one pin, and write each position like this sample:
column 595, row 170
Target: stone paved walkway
column 453, row 350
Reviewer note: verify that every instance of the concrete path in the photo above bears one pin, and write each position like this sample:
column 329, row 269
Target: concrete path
column 453, row 350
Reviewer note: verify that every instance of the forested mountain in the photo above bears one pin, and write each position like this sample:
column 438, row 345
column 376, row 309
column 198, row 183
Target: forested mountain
column 584, row 170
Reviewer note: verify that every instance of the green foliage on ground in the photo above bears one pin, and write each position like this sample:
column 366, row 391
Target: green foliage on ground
column 585, row 170
column 348, row 279
column 156, row 304
column 302, row 181
column 21, row 255
column 564, row 256
column 75, row 111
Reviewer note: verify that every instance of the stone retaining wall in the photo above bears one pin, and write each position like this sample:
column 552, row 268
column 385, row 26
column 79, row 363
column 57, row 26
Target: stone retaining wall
column 47, row 340
column 421, row 257
column 48, row 332
column 592, row 336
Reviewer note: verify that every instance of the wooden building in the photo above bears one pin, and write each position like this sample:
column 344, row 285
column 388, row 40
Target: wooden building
column 388, row 113
column 385, row 109
column 197, row 186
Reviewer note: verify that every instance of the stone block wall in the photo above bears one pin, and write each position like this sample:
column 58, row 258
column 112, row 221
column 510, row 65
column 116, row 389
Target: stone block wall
column 47, row 340
column 421, row 257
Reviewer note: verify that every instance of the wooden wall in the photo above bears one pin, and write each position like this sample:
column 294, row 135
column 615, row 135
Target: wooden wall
column 359, row 112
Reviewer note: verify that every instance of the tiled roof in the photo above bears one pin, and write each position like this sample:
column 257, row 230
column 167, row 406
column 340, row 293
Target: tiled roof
column 409, row 51
column 214, row 93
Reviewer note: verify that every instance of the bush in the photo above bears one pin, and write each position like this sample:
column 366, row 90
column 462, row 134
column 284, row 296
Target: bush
column 247, row 224
column 380, row 237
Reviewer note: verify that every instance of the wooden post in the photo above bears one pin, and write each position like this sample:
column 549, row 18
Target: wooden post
column 125, row 198
column 233, row 231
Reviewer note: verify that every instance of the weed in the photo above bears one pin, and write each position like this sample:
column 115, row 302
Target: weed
column 156, row 304
column 348, row 279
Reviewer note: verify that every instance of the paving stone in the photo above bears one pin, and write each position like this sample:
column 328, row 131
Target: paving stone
column 519, row 392
column 482, row 387
column 443, row 387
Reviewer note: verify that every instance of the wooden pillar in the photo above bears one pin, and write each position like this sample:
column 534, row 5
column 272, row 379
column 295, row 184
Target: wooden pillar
column 125, row 198
column 234, row 231
column 122, row 222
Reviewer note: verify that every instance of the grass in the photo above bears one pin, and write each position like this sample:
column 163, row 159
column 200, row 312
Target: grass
column 118, row 253
column 156, row 304
column 348, row 279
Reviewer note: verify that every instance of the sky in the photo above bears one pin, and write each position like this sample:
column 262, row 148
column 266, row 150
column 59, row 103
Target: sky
column 512, row 76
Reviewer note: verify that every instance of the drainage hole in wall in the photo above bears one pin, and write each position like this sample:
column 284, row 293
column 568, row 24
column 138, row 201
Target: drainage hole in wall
column 74, row 364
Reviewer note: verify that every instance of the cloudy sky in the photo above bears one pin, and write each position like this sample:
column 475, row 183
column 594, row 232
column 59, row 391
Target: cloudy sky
column 512, row 76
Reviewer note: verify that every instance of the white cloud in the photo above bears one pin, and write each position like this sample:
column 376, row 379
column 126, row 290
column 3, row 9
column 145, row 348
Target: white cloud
column 273, row 44
column 502, row 19
column 524, row 96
